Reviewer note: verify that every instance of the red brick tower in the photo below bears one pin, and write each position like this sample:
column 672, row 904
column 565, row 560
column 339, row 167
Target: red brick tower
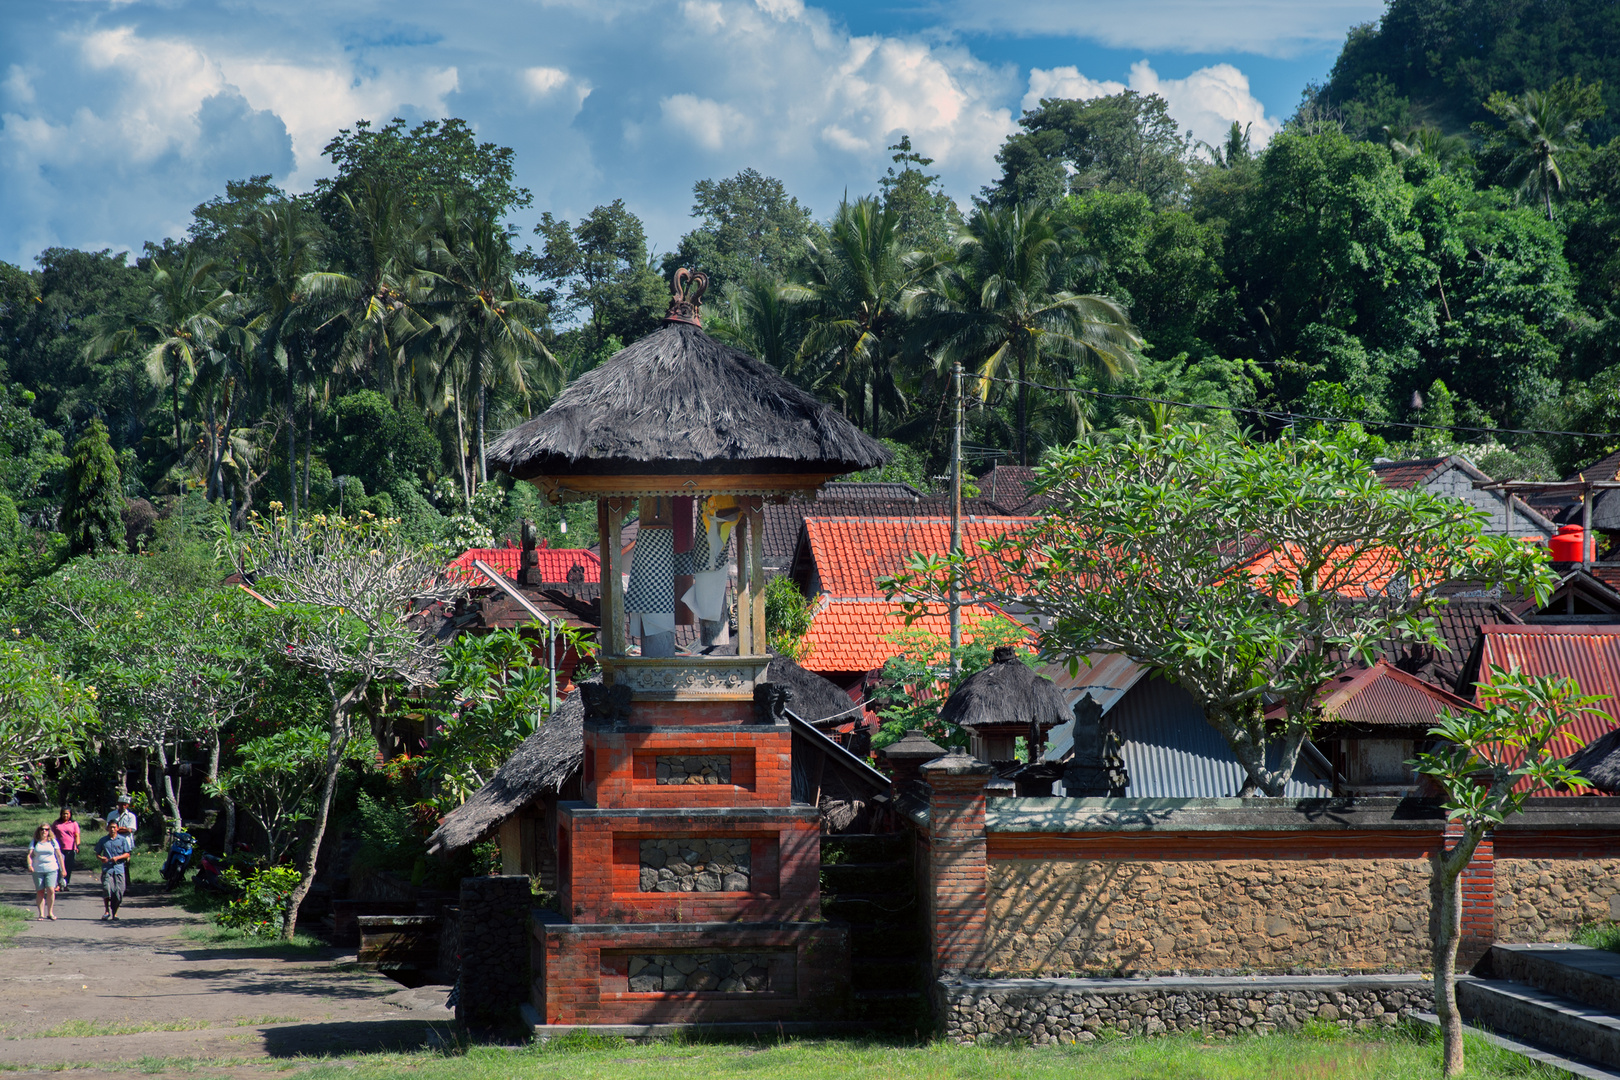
column 688, row 877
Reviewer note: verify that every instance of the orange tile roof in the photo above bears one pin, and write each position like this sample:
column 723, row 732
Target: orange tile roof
column 553, row 563
column 1354, row 573
column 851, row 554
column 848, row 635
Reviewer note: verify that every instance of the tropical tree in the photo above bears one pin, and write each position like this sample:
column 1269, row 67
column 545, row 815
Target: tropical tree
column 1488, row 762
column 852, row 297
column 1246, row 572
column 1542, row 126
column 756, row 316
column 1002, row 303
column 44, row 716
column 175, row 328
column 93, row 504
column 483, row 325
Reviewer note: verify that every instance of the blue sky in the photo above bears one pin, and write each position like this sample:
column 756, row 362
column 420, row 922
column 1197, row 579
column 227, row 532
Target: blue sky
column 118, row 116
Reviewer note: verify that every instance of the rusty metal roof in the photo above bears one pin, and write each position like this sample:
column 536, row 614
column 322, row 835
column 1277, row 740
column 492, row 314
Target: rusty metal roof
column 1387, row 696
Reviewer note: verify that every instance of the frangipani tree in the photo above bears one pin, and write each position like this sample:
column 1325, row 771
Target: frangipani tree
column 44, row 714
column 1246, row 572
column 1488, row 763
column 348, row 591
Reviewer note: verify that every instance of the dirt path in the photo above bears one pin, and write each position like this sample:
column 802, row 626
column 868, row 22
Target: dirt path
column 65, row 984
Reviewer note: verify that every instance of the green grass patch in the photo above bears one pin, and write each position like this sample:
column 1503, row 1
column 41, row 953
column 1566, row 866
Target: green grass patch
column 1603, row 935
column 1398, row 1055
column 12, row 920
column 17, row 823
column 89, row 1029
column 225, row 938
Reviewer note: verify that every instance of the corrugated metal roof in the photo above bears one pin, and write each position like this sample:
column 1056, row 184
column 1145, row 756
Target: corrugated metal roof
column 1588, row 654
column 1384, row 695
column 1106, row 677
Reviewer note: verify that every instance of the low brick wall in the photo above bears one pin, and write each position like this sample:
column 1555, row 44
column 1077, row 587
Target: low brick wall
column 1206, row 916
column 1047, row 1011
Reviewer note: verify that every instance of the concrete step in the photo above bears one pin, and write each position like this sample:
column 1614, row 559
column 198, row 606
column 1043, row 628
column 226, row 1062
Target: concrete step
column 1539, row 1016
column 1590, row 976
column 1584, row 1069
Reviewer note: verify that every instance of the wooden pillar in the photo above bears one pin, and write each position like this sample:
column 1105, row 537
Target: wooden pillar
column 745, row 592
column 756, row 567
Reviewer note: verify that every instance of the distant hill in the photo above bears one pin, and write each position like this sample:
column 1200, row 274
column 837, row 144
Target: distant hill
column 1435, row 61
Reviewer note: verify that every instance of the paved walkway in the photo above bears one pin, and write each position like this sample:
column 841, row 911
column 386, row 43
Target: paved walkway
column 64, row 984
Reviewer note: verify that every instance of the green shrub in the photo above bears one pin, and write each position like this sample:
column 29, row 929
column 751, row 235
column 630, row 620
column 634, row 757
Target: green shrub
column 262, row 907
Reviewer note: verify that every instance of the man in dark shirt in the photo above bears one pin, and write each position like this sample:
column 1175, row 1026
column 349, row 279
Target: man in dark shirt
column 113, row 851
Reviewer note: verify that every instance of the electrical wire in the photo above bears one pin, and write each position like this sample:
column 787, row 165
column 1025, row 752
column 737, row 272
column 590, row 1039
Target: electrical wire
column 1292, row 416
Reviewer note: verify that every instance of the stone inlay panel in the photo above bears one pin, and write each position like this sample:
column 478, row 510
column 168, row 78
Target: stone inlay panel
column 694, row 768
column 691, row 864
column 724, row 973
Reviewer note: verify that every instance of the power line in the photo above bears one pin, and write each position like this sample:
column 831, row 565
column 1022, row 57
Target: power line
column 1292, row 416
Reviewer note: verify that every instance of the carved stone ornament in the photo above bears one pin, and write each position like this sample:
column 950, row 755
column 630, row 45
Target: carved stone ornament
column 686, row 296
column 603, row 702
column 770, row 703
column 686, row 678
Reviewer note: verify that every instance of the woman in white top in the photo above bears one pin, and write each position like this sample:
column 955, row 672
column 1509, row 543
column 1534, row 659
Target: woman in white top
column 45, row 862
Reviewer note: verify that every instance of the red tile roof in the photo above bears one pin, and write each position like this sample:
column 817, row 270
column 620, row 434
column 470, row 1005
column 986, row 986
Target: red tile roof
column 851, row 554
column 1588, row 654
column 553, row 563
column 1407, row 474
column 1351, row 572
column 850, row 635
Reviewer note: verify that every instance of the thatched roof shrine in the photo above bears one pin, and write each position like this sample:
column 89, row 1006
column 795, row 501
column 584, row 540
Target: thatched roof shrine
column 678, row 402
column 1007, row 694
column 1599, row 763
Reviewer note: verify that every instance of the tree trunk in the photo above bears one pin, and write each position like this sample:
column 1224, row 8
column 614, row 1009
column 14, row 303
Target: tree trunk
column 1023, row 411
column 1446, row 901
column 337, row 740
column 292, row 447
column 170, row 795
column 176, row 389
column 309, row 442
column 483, row 469
column 146, row 779
column 461, row 447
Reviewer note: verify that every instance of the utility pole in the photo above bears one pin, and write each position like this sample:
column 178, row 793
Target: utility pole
column 956, row 515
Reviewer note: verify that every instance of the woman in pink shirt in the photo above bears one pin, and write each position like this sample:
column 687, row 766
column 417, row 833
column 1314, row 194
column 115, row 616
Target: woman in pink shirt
column 67, row 838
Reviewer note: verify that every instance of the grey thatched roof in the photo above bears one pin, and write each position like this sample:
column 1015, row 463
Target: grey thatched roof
column 1007, row 692
column 1598, row 762
column 678, row 401
column 543, row 762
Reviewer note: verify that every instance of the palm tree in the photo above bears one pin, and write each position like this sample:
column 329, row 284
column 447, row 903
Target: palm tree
column 1425, row 142
column 1002, row 302
column 1541, row 125
column 177, row 328
column 289, row 291
column 852, row 298
column 481, row 323
column 757, row 317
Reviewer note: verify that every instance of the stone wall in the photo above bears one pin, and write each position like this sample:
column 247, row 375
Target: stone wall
column 693, row 864
column 1049, row 916
column 725, row 973
column 1046, row 1011
column 494, row 939
column 693, row 769
column 1547, row 899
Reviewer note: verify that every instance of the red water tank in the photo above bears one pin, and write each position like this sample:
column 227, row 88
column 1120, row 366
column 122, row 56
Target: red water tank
column 1569, row 545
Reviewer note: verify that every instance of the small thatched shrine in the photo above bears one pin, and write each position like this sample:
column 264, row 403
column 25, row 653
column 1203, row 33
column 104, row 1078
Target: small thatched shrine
column 1003, row 703
column 687, row 862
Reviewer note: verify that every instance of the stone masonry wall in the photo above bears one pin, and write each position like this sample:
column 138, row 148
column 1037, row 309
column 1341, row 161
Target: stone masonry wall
column 1057, row 917
column 693, row 769
column 692, row 864
column 1046, row 1011
column 725, row 973
column 494, row 980
column 1547, row 899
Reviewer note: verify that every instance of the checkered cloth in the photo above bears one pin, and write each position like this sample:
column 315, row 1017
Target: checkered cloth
column 652, row 572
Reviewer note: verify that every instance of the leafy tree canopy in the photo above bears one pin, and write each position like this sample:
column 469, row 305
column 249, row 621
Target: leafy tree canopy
column 750, row 225
column 434, row 158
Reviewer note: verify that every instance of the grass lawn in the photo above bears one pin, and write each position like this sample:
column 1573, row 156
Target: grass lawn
column 1392, row 1056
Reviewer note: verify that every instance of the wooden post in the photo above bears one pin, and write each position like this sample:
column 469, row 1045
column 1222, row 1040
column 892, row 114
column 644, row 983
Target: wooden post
column 745, row 601
column 613, row 582
column 756, row 566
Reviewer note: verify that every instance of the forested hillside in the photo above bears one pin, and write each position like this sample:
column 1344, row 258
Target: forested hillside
column 1430, row 241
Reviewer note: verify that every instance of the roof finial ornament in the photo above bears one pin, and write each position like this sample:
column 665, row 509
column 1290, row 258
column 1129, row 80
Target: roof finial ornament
column 686, row 296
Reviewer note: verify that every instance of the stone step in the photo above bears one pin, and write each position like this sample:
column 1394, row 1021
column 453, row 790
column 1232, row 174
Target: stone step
column 1590, row 976
column 886, row 973
column 887, row 938
column 864, row 909
column 1584, row 1069
column 1542, row 1017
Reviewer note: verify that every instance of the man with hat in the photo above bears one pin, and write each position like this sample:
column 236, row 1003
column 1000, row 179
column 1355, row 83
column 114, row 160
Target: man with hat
column 124, row 818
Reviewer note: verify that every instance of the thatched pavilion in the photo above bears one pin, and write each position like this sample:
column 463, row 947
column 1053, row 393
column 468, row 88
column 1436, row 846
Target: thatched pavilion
column 687, row 861
column 1006, row 701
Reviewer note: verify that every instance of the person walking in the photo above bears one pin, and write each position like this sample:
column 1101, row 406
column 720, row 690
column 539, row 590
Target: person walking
column 113, row 851
column 67, row 838
column 45, row 862
column 125, row 817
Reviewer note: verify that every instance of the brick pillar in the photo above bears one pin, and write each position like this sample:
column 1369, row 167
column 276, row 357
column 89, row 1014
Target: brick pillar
column 957, row 869
column 494, row 977
column 1478, row 899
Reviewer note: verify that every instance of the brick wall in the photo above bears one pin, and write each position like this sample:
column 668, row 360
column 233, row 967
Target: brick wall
column 624, row 767
column 956, row 860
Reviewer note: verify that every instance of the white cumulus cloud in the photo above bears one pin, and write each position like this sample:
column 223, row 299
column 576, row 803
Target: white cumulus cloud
column 1205, row 103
